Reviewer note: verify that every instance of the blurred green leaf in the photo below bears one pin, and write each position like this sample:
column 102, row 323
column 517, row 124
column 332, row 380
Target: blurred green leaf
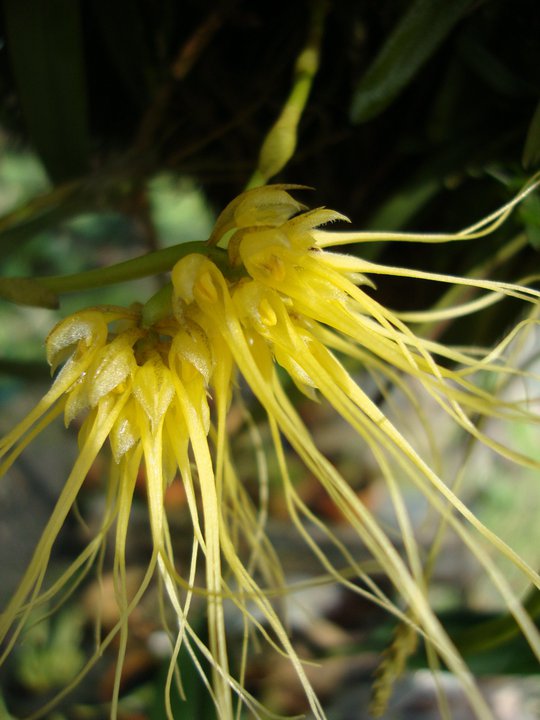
column 417, row 35
column 497, row 631
column 531, row 151
column 491, row 644
column 403, row 205
column 495, row 645
column 4, row 711
column 529, row 213
column 26, row 291
column 45, row 46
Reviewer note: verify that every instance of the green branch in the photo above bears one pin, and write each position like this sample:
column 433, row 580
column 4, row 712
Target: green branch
column 44, row 291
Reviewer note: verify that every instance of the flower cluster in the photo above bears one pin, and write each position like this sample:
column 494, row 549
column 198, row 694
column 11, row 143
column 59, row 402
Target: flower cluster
column 272, row 304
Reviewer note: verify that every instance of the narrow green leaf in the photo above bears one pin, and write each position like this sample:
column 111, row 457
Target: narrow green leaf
column 403, row 205
column 25, row 291
column 45, row 47
column 531, row 151
column 417, row 35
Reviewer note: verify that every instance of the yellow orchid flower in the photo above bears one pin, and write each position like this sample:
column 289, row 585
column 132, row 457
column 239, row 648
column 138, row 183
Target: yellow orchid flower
column 277, row 302
column 146, row 390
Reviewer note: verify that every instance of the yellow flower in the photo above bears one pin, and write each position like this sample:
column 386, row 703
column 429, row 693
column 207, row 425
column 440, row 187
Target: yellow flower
column 296, row 305
column 278, row 301
column 132, row 384
column 147, row 391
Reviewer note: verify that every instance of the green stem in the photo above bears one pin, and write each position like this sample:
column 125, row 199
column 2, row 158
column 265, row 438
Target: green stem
column 158, row 307
column 143, row 266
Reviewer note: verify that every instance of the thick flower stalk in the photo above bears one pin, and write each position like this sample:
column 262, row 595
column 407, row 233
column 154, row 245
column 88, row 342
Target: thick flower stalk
column 273, row 302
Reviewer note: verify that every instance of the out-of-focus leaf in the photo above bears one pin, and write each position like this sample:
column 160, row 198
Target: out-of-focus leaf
column 530, row 215
column 531, row 151
column 417, row 35
column 396, row 212
column 491, row 644
column 25, row 291
column 496, row 645
column 4, row 711
column 45, row 46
